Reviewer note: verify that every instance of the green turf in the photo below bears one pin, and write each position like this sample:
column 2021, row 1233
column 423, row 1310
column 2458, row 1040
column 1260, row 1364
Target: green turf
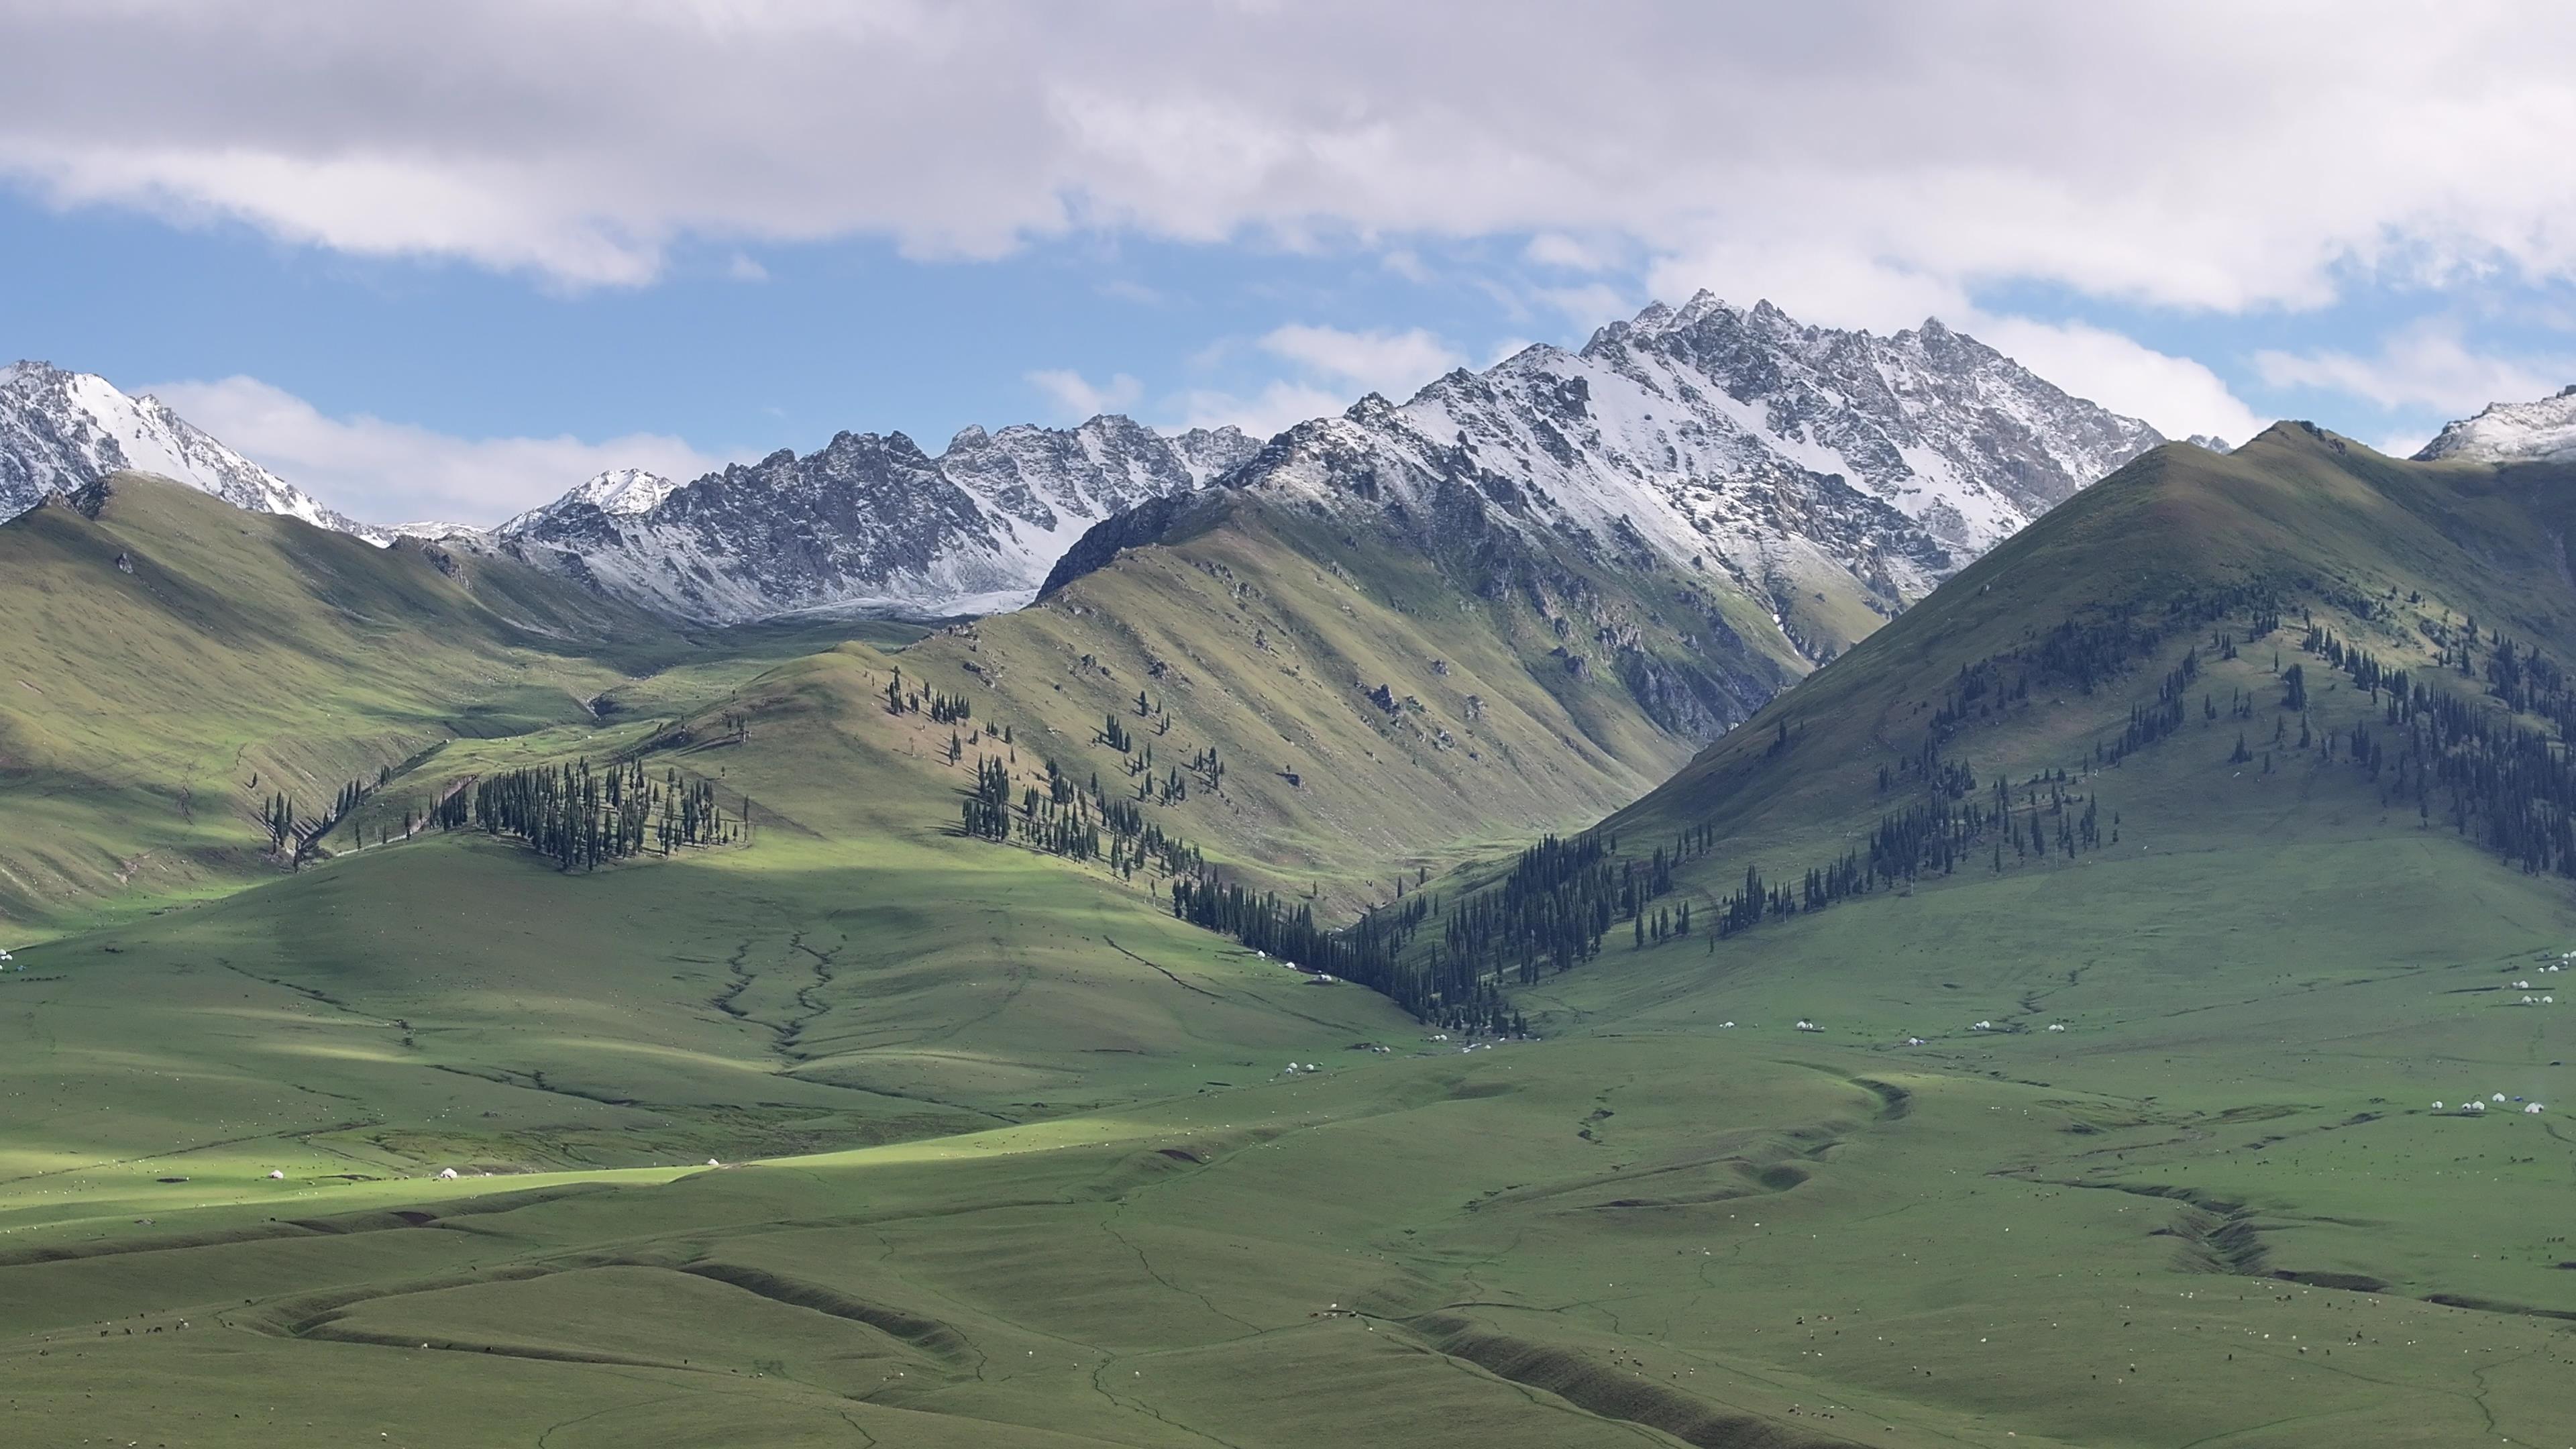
column 1010, row 1157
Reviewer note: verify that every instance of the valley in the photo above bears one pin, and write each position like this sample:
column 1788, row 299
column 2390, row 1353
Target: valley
column 2049, row 1053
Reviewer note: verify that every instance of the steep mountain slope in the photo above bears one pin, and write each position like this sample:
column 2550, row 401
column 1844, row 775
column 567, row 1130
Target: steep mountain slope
column 1521, row 599
column 866, row 524
column 172, row 662
column 61, row 431
column 2399, row 559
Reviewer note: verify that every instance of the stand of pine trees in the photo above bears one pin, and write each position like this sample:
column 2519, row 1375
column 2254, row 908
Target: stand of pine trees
column 297, row 838
column 580, row 817
column 2507, row 787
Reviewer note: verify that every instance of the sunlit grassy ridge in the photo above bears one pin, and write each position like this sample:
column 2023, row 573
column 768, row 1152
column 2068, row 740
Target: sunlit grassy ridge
column 155, row 705
column 1264, row 631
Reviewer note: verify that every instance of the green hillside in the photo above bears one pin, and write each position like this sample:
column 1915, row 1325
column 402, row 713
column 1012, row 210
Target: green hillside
column 172, row 664
column 1381, row 706
column 1005, row 1154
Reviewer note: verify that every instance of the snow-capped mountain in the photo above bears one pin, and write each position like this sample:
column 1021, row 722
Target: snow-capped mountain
column 867, row 523
column 60, row 431
column 1794, row 459
column 2532, row 432
column 1736, row 437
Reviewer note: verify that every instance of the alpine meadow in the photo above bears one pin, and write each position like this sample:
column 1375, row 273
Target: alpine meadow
column 1738, row 882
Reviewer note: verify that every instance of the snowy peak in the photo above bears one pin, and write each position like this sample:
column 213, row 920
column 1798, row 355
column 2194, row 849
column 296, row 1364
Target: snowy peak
column 60, row 431
column 867, row 523
column 2532, row 432
column 1802, row 463
column 625, row 490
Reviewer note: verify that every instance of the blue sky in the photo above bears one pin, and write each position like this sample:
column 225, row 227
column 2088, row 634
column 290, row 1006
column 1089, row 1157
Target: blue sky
column 452, row 274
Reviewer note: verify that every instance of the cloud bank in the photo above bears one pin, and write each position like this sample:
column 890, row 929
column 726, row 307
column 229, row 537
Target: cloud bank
column 388, row 472
column 1865, row 160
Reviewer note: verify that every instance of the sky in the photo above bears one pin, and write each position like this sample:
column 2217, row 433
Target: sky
column 446, row 262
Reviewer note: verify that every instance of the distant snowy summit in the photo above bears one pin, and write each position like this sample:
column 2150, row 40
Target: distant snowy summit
column 2532, row 432
column 61, row 431
column 866, row 524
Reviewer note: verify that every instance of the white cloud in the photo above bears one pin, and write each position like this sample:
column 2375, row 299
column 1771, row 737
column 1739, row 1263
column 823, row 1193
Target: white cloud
column 1406, row 263
column 2425, row 365
column 1556, row 249
column 386, row 472
column 1589, row 305
column 1856, row 167
column 1394, row 363
column 1333, row 367
column 1077, row 398
column 2175, row 395
column 1278, row 406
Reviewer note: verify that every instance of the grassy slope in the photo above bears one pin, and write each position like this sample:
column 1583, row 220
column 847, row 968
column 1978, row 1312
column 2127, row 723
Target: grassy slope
column 1650, row 1228
column 141, row 706
column 1262, row 632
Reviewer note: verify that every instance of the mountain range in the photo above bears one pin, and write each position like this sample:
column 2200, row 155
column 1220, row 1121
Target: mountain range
column 1792, row 460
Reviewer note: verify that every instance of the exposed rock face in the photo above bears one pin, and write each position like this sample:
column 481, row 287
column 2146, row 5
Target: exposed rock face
column 867, row 523
column 1789, row 459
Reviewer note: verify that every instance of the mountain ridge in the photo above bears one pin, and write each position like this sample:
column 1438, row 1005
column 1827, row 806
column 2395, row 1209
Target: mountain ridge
column 62, row 430
column 1801, row 461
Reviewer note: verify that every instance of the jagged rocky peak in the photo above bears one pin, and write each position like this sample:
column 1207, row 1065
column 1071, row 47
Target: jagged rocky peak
column 1736, row 439
column 625, row 490
column 2532, row 432
column 61, row 431
column 868, row 523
